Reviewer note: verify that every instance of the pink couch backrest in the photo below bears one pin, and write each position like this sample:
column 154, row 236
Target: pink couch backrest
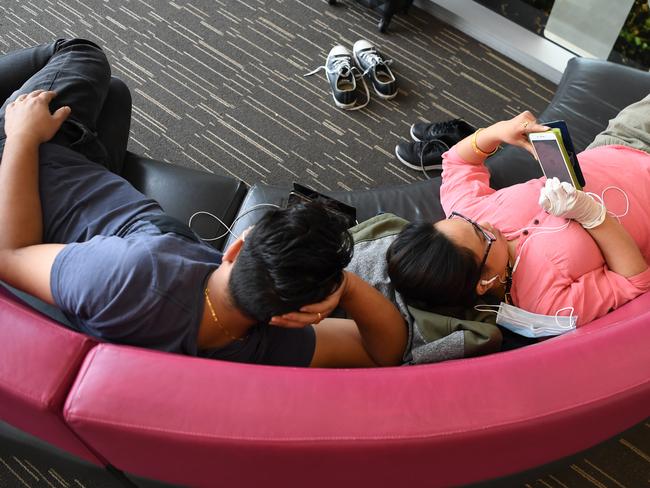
column 39, row 360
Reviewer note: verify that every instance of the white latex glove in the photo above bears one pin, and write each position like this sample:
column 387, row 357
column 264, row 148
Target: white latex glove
column 563, row 200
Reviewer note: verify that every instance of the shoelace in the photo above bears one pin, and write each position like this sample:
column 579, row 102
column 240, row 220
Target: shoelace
column 422, row 150
column 342, row 67
column 373, row 59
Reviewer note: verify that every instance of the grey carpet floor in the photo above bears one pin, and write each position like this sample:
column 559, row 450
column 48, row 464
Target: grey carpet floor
column 217, row 85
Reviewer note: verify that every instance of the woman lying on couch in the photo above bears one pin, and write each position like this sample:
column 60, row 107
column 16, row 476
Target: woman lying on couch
column 549, row 248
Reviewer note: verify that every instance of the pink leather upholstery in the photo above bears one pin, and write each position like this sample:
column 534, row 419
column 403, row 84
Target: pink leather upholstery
column 207, row 423
column 39, row 360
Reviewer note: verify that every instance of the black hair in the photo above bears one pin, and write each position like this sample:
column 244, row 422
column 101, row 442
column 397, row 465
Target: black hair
column 292, row 257
column 429, row 270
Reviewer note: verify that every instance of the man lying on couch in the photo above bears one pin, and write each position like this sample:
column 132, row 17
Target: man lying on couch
column 123, row 271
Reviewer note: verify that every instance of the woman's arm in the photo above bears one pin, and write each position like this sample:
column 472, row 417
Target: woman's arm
column 476, row 148
column 465, row 180
column 621, row 253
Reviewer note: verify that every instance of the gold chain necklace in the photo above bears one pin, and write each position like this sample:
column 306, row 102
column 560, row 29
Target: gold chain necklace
column 216, row 319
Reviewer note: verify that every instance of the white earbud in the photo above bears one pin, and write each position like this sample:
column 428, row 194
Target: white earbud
column 491, row 280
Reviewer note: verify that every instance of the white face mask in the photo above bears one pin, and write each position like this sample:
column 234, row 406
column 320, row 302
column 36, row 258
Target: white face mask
column 530, row 324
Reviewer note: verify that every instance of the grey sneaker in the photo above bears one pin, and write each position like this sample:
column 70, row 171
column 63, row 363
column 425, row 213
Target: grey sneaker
column 375, row 68
column 343, row 83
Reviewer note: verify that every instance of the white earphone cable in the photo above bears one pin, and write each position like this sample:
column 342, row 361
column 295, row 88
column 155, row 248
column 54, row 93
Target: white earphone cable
column 627, row 201
column 228, row 228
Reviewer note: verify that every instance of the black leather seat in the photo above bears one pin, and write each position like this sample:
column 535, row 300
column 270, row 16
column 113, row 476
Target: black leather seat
column 182, row 192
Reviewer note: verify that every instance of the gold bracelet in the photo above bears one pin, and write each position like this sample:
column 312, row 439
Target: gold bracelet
column 478, row 150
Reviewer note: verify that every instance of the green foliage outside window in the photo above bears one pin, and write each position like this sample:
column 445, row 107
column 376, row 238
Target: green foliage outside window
column 633, row 43
column 632, row 46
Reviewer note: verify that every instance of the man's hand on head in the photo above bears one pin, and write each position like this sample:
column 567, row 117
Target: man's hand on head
column 314, row 312
column 28, row 118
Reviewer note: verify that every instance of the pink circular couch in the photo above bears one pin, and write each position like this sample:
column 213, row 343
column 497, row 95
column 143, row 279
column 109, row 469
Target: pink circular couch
column 197, row 422
column 210, row 423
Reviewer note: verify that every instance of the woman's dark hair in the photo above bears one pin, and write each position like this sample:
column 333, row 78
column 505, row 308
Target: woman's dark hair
column 292, row 257
column 429, row 270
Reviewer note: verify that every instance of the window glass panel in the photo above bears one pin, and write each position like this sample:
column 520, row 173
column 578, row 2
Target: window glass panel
column 631, row 46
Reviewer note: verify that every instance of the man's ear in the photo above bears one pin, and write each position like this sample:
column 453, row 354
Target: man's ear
column 232, row 251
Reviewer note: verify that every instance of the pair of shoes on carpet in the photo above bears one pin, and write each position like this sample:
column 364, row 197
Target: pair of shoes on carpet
column 365, row 60
column 431, row 142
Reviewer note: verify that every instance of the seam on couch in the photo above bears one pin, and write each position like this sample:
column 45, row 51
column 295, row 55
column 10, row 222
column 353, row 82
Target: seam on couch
column 79, row 380
column 78, row 348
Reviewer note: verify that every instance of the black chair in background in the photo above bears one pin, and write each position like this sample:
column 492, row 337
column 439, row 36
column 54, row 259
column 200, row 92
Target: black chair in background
column 389, row 7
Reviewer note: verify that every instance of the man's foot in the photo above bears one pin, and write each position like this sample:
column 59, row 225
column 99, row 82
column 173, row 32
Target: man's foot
column 456, row 129
column 424, row 156
column 375, row 68
column 339, row 72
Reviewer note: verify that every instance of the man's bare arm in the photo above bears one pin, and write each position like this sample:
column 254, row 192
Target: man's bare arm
column 28, row 123
column 23, row 263
column 20, row 204
column 375, row 337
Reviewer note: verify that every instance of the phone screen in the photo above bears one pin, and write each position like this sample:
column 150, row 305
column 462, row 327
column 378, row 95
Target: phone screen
column 568, row 145
column 550, row 157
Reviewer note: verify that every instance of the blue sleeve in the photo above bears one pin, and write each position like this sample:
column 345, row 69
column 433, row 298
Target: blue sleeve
column 107, row 287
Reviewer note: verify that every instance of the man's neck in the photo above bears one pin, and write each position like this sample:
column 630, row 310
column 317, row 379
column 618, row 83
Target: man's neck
column 230, row 324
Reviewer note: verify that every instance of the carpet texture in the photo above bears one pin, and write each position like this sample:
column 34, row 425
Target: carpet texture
column 218, row 85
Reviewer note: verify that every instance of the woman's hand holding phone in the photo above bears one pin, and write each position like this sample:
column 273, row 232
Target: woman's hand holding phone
column 515, row 131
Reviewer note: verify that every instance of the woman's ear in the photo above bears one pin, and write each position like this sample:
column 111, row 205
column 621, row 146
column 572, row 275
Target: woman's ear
column 483, row 286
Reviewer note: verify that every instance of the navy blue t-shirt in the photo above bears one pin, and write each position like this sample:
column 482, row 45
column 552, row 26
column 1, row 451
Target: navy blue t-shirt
column 145, row 289
column 122, row 279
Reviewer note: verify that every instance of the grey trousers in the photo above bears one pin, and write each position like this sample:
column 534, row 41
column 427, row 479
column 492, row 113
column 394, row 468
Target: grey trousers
column 631, row 127
column 79, row 72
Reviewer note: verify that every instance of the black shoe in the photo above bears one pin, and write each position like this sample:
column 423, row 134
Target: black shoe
column 376, row 69
column 424, row 156
column 343, row 83
column 457, row 129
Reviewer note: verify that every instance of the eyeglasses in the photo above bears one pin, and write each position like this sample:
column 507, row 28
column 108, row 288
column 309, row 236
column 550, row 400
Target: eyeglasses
column 489, row 236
